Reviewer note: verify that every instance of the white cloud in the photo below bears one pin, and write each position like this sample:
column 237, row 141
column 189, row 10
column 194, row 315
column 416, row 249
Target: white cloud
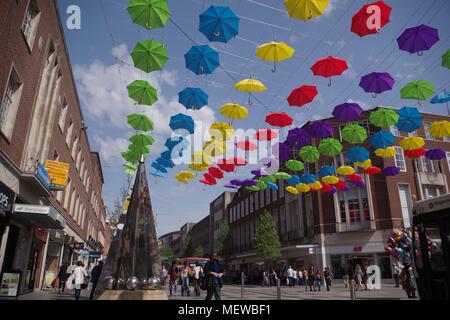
column 110, row 148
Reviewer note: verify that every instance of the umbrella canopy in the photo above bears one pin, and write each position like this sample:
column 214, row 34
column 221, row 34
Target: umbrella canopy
column 175, row 141
column 347, row 112
column 142, row 92
column 222, row 131
column 158, row 167
column 182, row 122
column 261, row 185
column 219, row 24
column 282, row 150
column 130, row 168
column 435, row 154
column 294, row 165
column 234, row 111
column 354, row 134
column 329, row 67
column 230, row 186
column 383, row 118
column 410, row 119
column 415, row 154
column 326, row 171
column 366, row 164
column 157, row 173
column 215, row 172
column 315, row 185
column 330, row 179
column 282, row 175
column 377, row 82
column 291, row 190
column 417, row 90
column 443, row 97
column 360, row 21
column 446, row 59
column 246, row 145
column 391, row 171
column 412, row 143
column 226, row 167
column 210, row 178
column 149, row 55
column 139, row 149
column 268, row 179
column 166, row 163
column 275, row 52
column 382, row 139
column 140, row 122
column 309, row 154
column 303, row 187
column 272, row 185
column 202, row 59
column 208, row 182
column 279, row 119
column 248, row 183
column 330, row 147
column 328, row 189
column 358, row 154
column 253, row 188
column 357, row 183
column 308, row 178
column 298, row 138
column 185, row 175
column 418, row 39
column 345, row 170
column 302, row 95
column 131, row 156
column 294, row 180
column 265, row 134
column 305, row 9
column 250, row 85
column 372, row 170
column 149, row 13
column 353, row 177
column 193, row 98
column 236, row 182
column 320, row 129
column 440, row 129
column 385, row 152
column 198, row 166
column 142, row 140
column 340, row 185
column 259, row 173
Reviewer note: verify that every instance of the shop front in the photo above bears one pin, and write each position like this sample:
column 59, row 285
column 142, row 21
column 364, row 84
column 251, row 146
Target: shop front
column 53, row 258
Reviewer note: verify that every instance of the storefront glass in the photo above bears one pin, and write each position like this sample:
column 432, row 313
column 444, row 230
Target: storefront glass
column 51, row 265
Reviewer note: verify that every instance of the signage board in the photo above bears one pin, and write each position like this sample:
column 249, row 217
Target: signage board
column 9, row 284
column 43, row 176
column 95, row 254
column 6, row 198
column 59, row 173
column 28, row 208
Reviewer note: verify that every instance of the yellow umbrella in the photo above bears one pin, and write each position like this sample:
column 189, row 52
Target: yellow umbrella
column 200, row 161
column 234, row 111
column 305, row 9
column 221, row 131
column 302, row 187
column 185, row 176
column 345, row 170
column 440, row 129
column 330, row 179
column 385, row 152
column 250, row 85
column 366, row 164
column 214, row 148
column 198, row 167
column 292, row 190
column 274, row 51
column 316, row 185
column 412, row 143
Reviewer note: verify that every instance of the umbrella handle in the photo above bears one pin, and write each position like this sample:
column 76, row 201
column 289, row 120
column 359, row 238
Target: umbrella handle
column 420, row 53
column 274, row 66
column 250, row 103
column 329, row 82
column 374, row 95
column 217, row 33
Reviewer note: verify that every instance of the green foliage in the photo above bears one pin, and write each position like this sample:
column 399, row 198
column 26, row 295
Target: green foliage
column 199, row 253
column 266, row 238
column 225, row 249
column 168, row 253
column 187, row 249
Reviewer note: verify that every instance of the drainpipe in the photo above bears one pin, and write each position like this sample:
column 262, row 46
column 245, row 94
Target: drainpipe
column 418, row 180
column 370, row 199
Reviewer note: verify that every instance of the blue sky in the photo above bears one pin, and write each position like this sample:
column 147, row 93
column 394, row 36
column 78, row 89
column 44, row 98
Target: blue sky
column 100, row 51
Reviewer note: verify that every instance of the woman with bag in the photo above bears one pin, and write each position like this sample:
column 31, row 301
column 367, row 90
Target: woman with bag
column 62, row 277
column 79, row 274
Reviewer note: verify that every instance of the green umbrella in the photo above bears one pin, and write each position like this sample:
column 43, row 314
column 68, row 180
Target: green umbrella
column 140, row 122
column 383, row 118
column 294, row 165
column 149, row 13
column 329, row 147
column 446, row 59
column 142, row 139
column 130, row 156
column 139, row 149
column 130, row 168
column 252, row 188
column 309, row 154
column 142, row 92
column 261, row 185
column 417, row 90
column 354, row 133
column 268, row 179
column 149, row 55
column 282, row 175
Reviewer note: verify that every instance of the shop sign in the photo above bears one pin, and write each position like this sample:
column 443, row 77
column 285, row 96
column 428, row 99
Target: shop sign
column 6, row 198
column 78, row 245
column 59, row 173
column 9, row 284
column 43, row 176
column 95, row 254
column 57, row 236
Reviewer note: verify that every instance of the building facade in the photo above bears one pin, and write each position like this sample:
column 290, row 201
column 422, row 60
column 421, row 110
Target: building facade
column 40, row 120
column 200, row 236
column 217, row 214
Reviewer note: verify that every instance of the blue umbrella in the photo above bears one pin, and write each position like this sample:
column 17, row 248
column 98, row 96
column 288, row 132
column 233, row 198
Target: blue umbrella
column 327, row 171
column 294, row 180
column 219, row 24
column 308, row 178
column 443, row 97
column 410, row 119
column 202, row 59
column 382, row 139
column 182, row 122
column 175, row 141
column 166, row 163
column 358, row 154
column 272, row 185
column 157, row 173
column 158, row 167
column 193, row 98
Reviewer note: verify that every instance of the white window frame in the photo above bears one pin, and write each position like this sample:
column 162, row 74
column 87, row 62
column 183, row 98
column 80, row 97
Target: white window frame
column 399, row 152
column 410, row 204
column 30, row 24
column 394, row 130
column 63, row 115
column 69, row 134
column 10, row 103
column 448, row 160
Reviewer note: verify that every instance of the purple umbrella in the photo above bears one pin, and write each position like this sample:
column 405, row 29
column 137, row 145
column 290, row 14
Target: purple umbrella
column 231, row 186
column 259, row 173
column 435, row 154
column 320, row 129
column 377, row 82
column 346, row 188
column 298, row 138
column 418, row 39
column 248, row 183
column 357, row 183
column 236, row 182
column 347, row 112
column 283, row 151
column 391, row 171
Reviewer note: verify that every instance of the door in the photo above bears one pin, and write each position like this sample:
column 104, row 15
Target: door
column 405, row 203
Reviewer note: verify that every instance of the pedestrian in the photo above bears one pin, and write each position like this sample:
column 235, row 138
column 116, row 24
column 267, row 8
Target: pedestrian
column 289, row 276
column 165, row 275
column 346, row 275
column 311, row 278
column 294, row 277
column 366, row 277
column 300, row 277
column 359, row 277
column 173, row 277
column 62, row 277
column 408, row 280
column 305, row 277
column 266, row 281
column 185, row 279
column 95, row 276
column 274, row 277
column 317, row 280
column 397, row 269
column 80, row 274
column 213, row 272
column 198, row 275
column 327, row 275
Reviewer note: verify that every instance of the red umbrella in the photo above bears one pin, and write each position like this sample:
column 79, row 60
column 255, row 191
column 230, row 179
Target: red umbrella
column 246, row 145
column 215, row 172
column 226, row 167
column 265, row 134
column 340, row 185
column 236, row 161
column 210, row 178
column 414, row 154
column 329, row 67
column 327, row 188
column 279, row 119
column 207, row 182
column 302, row 96
column 372, row 170
column 364, row 21
column 354, row 177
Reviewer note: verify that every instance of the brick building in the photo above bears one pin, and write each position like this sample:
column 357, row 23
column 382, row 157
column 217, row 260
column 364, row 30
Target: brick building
column 200, row 235
column 40, row 120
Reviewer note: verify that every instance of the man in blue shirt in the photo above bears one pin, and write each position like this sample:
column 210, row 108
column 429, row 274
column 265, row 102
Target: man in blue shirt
column 213, row 272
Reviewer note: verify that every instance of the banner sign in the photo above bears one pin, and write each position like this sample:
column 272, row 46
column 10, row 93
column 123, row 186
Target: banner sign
column 9, row 284
column 43, row 176
column 59, row 173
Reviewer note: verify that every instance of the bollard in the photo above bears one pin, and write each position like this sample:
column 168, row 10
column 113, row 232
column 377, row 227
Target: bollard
column 242, row 286
column 352, row 290
column 278, row 290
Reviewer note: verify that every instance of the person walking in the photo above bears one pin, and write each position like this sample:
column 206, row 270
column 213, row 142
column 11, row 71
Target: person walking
column 318, row 280
column 289, row 276
column 346, row 275
column 408, row 280
column 185, row 280
column 173, row 277
column 165, row 275
column 311, row 278
column 300, row 277
column 213, row 271
column 397, row 269
column 327, row 277
column 274, row 277
column 95, row 276
column 359, row 277
column 198, row 275
column 62, row 277
column 80, row 274
column 294, row 277
column 266, row 282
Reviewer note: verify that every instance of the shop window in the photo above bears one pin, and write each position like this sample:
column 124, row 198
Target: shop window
column 10, row 104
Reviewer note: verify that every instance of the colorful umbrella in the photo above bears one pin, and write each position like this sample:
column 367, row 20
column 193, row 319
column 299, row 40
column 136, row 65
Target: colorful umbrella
column 309, row 154
column 354, row 134
column 362, row 23
column 236, row 182
column 226, row 167
column 130, row 156
column 383, row 118
column 282, row 175
column 182, row 122
column 372, row 170
column 259, row 173
column 415, row 154
column 202, row 59
column 210, row 178
column 265, row 135
column 246, row 145
column 328, row 189
column 435, row 154
column 412, row 143
column 222, row 131
column 294, row 165
column 315, row 186
column 330, row 147
column 130, row 168
column 230, row 186
column 305, row 9
column 250, row 85
column 234, row 111
column 320, row 129
column 329, row 67
column 303, row 187
column 268, row 179
column 207, row 182
column 253, row 188
column 294, row 180
column 292, row 190
column 282, row 150
column 330, row 179
column 275, row 52
column 142, row 139
column 308, row 178
column 377, row 82
column 158, row 167
column 166, row 163
column 261, row 185
column 418, row 39
column 298, row 138
column 279, row 119
column 440, row 129
column 345, row 170
column 446, row 59
column 410, row 119
column 385, row 152
column 443, row 97
column 174, row 141
column 215, row 172
column 142, row 92
column 391, row 171
column 193, row 98
column 340, row 185
column 149, row 55
column 272, row 185
column 358, row 154
column 382, row 139
column 353, row 177
column 302, row 96
column 357, row 183
column 185, row 175
column 140, row 122
column 347, row 112
column 418, row 90
column 157, row 173
column 219, row 24
column 149, row 13
column 366, row 164
column 326, row 171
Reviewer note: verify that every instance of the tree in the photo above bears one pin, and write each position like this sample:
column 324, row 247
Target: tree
column 199, row 253
column 114, row 215
column 267, row 243
column 187, row 249
column 168, row 253
column 225, row 242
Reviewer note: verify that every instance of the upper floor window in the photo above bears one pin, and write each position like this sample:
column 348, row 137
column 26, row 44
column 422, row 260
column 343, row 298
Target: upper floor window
column 448, row 160
column 74, row 147
column 400, row 159
column 31, row 22
column 10, row 104
column 69, row 133
column 63, row 115
column 394, row 131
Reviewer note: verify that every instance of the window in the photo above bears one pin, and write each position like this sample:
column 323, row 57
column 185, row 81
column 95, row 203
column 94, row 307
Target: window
column 72, row 202
column 87, row 184
column 412, row 134
column 77, row 209
column 405, row 203
column 427, row 165
column 342, row 211
column 433, row 192
column 10, row 104
column 78, row 159
column 448, row 160
column 400, row 159
column 69, row 133
column 74, row 147
column 394, row 131
column 426, row 127
column 67, row 194
column 63, row 115
column 31, row 22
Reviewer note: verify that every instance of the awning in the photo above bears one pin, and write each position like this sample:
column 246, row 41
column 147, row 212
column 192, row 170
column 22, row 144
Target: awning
column 39, row 216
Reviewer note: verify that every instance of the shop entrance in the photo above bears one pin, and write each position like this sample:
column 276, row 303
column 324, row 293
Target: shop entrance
column 361, row 260
column 33, row 264
column 11, row 244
